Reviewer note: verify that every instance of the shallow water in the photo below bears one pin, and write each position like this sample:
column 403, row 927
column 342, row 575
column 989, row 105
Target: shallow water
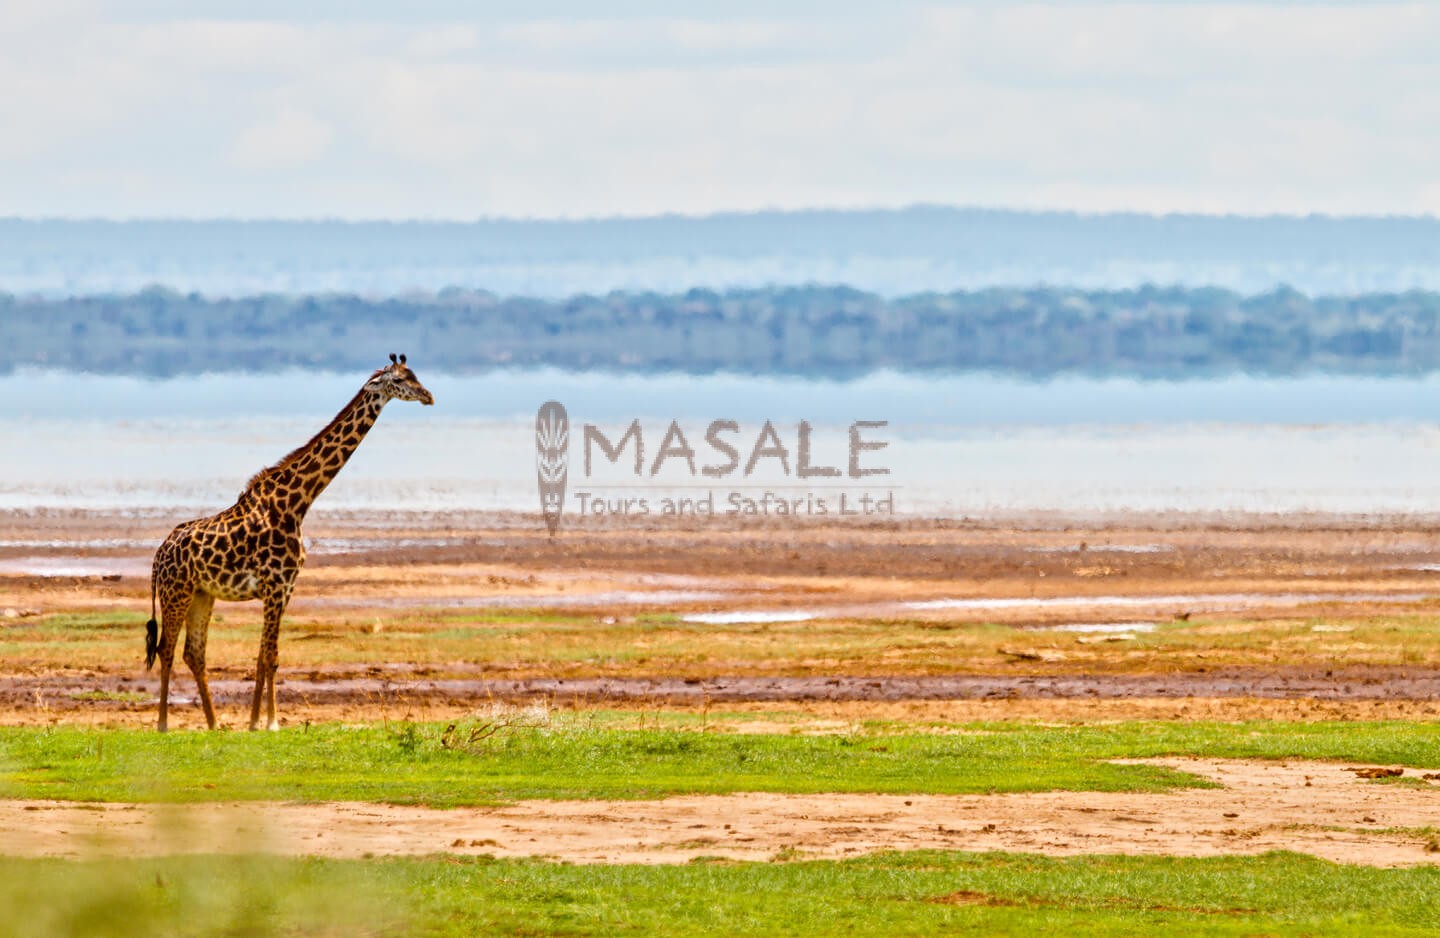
column 449, row 464
column 546, row 600
column 1196, row 601
column 956, row 447
column 750, row 617
column 77, row 566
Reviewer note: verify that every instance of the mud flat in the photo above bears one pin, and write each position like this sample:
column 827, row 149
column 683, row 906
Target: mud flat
column 59, row 692
column 1334, row 611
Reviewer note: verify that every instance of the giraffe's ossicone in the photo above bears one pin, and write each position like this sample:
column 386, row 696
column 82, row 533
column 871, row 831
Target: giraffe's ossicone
column 253, row 549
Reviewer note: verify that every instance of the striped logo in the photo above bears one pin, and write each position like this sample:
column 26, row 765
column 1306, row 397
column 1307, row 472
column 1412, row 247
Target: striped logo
column 552, row 459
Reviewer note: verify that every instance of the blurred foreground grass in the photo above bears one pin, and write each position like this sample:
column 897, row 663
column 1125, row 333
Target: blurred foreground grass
column 919, row 893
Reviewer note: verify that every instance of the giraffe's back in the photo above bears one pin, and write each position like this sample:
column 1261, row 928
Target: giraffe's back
column 234, row 555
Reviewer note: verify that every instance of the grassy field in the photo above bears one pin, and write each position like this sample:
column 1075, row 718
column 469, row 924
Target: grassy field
column 917, row 893
column 595, row 756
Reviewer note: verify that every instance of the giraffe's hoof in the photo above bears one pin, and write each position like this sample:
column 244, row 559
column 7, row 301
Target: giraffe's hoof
column 274, row 726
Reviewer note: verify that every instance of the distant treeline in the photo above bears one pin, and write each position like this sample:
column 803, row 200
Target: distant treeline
column 817, row 331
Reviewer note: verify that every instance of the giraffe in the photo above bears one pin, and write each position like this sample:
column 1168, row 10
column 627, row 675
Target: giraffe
column 253, row 549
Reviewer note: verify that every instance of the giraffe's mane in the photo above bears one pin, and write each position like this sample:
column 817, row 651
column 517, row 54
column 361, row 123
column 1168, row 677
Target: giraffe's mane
column 255, row 480
column 294, row 455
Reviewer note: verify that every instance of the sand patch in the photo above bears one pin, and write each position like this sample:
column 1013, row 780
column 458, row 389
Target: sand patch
column 1322, row 809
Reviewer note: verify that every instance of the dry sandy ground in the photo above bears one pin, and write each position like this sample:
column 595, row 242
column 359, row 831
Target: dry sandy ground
column 1322, row 809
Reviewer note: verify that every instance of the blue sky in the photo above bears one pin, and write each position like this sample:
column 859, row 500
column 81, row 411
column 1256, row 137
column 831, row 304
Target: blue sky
column 462, row 110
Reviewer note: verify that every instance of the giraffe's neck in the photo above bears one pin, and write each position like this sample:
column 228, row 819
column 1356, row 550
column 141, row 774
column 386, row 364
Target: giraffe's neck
column 310, row 469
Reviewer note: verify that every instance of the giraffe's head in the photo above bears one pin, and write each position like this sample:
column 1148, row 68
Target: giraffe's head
column 396, row 381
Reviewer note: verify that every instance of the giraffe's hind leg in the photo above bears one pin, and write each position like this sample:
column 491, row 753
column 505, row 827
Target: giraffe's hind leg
column 197, row 627
column 174, row 605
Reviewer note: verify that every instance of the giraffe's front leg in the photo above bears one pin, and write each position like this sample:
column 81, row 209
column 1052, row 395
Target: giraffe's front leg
column 259, row 684
column 269, row 660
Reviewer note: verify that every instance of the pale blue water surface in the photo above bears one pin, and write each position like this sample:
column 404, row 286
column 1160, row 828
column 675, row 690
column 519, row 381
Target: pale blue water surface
column 955, row 446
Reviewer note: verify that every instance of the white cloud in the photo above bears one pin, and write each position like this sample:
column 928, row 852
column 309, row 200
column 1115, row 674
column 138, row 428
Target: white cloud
column 441, row 42
column 1227, row 107
column 292, row 138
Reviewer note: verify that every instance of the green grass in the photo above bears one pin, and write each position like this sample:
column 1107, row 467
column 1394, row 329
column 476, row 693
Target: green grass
column 70, row 623
column 411, row 763
column 110, row 696
column 577, row 757
column 922, row 893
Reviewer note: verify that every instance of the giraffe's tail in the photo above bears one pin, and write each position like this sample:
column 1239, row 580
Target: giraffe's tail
column 152, row 631
column 152, row 643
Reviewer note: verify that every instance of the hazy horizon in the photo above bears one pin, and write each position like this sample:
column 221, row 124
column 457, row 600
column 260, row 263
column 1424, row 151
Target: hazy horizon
column 721, row 214
column 889, row 252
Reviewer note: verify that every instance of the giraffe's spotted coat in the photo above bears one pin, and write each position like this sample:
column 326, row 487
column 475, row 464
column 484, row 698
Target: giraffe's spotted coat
column 254, row 549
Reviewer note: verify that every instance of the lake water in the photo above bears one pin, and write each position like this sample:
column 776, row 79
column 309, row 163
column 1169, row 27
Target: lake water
column 962, row 446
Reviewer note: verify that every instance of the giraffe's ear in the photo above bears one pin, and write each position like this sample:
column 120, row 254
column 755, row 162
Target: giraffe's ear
column 392, row 358
column 402, row 358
